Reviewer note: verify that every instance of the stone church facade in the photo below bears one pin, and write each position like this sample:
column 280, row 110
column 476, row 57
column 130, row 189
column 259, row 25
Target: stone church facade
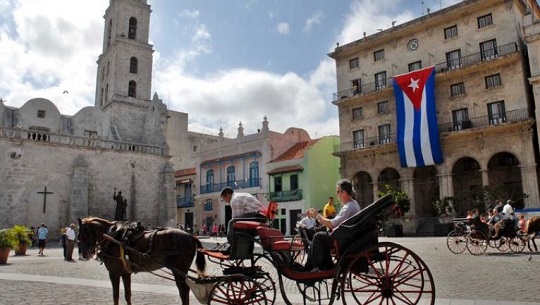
column 58, row 167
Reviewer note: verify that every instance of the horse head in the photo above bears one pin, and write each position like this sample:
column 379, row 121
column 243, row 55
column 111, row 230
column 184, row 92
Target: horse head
column 91, row 230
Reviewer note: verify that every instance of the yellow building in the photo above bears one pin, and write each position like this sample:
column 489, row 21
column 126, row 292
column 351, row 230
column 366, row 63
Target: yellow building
column 484, row 102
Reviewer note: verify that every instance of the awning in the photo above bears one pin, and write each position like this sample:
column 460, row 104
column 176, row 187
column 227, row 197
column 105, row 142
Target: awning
column 286, row 169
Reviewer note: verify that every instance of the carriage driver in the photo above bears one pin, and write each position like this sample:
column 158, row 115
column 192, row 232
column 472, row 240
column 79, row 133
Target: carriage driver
column 319, row 257
column 243, row 205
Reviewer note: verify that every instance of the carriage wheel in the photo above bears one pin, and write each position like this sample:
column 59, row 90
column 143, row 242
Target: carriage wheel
column 503, row 244
column 299, row 255
column 477, row 242
column 456, row 242
column 517, row 244
column 387, row 274
column 266, row 281
column 237, row 290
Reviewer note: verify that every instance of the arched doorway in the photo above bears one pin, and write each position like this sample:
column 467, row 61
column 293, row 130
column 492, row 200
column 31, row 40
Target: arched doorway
column 426, row 190
column 363, row 184
column 390, row 177
column 505, row 179
column 467, row 182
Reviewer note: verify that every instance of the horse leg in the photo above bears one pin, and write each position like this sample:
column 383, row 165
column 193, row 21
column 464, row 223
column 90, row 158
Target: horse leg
column 534, row 244
column 183, row 288
column 126, row 278
column 115, row 281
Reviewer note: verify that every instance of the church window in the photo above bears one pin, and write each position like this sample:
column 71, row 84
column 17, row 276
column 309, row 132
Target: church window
column 108, row 65
column 133, row 65
column 101, row 97
column 103, row 73
column 109, row 31
column 132, row 89
column 41, row 114
column 106, row 92
column 132, row 34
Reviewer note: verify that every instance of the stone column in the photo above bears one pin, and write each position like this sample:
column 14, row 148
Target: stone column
column 529, row 183
column 485, row 177
column 446, row 185
column 167, row 204
column 78, row 196
column 407, row 186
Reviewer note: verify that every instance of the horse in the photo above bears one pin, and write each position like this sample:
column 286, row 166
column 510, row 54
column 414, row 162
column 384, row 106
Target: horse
column 135, row 249
column 531, row 229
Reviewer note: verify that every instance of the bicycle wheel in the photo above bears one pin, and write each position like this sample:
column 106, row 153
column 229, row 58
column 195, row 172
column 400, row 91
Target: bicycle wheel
column 456, row 242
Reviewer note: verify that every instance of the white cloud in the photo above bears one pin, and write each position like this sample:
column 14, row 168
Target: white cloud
column 313, row 20
column 283, row 28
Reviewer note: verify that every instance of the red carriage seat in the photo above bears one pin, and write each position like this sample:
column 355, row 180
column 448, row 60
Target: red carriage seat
column 273, row 240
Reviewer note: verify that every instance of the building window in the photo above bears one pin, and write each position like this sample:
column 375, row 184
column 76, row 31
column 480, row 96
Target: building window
column 417, row 65
column 253, row 174
column 277, row 184
column 132, row 89
column 132, row 33
column 450, row 32
column 357, row 113
column 380, row 80
column 355, row 86
column 231, row 176
column 488, row 49
column 461, row 119
column 41, row 114
column 209, row 177
column 453, row 59
column 109, row 33
column 354, row 63
column 378, row 55
column 485, row 20
column 382, row 107
column 384, row 134
column 208, row 205
column 194, row 148
column 103, row 73
column 133, row 65
column 457, row 89
column 359, row 139
column 496, row 112
column 294, row 182
column 493, row 81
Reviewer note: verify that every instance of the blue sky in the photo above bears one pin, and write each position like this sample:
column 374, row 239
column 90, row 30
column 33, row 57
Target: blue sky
column 222, row 62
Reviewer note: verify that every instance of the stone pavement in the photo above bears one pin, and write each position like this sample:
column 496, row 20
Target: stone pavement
column 493, row 278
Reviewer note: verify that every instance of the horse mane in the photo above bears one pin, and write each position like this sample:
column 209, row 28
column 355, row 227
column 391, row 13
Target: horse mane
column 92, row 219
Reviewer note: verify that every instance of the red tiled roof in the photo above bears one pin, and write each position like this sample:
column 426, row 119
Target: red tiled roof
column 295, row 152
column 185, row 172
column 285, row 169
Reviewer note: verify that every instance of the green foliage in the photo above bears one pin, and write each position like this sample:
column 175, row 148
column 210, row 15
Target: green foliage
column 22, row 234
column 402, row 199
column 445, row 206
column 8, row 238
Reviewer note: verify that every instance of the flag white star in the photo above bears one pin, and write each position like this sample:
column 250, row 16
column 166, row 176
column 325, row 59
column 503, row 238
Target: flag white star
column 414, row 84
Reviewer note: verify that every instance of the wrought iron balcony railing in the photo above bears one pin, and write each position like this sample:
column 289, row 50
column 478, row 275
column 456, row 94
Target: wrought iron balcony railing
column 184, row 201
column 239, row 184
column 450, row 65
column 282, row 196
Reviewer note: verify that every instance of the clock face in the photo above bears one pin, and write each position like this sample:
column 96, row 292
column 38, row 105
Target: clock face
column 412, row 45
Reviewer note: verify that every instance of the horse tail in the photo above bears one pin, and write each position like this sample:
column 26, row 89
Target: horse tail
column 200, row 260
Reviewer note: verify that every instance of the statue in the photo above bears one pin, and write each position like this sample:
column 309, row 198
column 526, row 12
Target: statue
column 118, row 215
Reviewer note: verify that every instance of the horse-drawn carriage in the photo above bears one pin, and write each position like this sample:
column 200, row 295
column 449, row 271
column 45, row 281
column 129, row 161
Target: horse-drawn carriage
column 476, row 237
column 366, row 271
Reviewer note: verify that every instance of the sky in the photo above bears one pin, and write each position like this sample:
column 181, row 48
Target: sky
column 222, row 62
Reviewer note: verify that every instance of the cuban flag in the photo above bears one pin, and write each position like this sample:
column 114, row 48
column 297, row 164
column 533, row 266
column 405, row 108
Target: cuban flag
column 417, row 133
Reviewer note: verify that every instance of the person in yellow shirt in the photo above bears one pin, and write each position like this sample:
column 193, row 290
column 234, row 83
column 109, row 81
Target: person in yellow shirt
column 329, row 210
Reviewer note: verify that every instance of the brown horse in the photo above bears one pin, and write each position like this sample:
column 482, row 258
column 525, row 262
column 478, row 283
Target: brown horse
column 134, row 249
column 532, row 228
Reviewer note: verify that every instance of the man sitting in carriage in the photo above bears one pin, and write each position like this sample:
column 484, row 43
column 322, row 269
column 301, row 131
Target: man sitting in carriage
column 243, row 205
column 319, row 254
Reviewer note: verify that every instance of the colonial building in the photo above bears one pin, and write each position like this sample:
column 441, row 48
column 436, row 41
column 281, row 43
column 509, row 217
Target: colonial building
column 57, row 167
column 484, row 103
column 239, row 163
column 303, row 177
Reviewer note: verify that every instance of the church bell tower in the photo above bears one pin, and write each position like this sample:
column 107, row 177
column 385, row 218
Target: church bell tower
column 125, row 66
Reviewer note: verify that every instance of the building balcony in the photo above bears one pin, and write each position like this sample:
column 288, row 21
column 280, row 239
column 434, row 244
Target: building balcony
column 512, row 116
column 239, row 184
column 444, row 67
column 184, row 201
column 282, row 196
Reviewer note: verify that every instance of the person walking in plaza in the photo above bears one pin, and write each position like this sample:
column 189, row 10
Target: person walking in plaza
column 214, row 230
column 42, row 233
column 319, row 257
column 70, row 242
column 329, row 210
column 63, row 242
